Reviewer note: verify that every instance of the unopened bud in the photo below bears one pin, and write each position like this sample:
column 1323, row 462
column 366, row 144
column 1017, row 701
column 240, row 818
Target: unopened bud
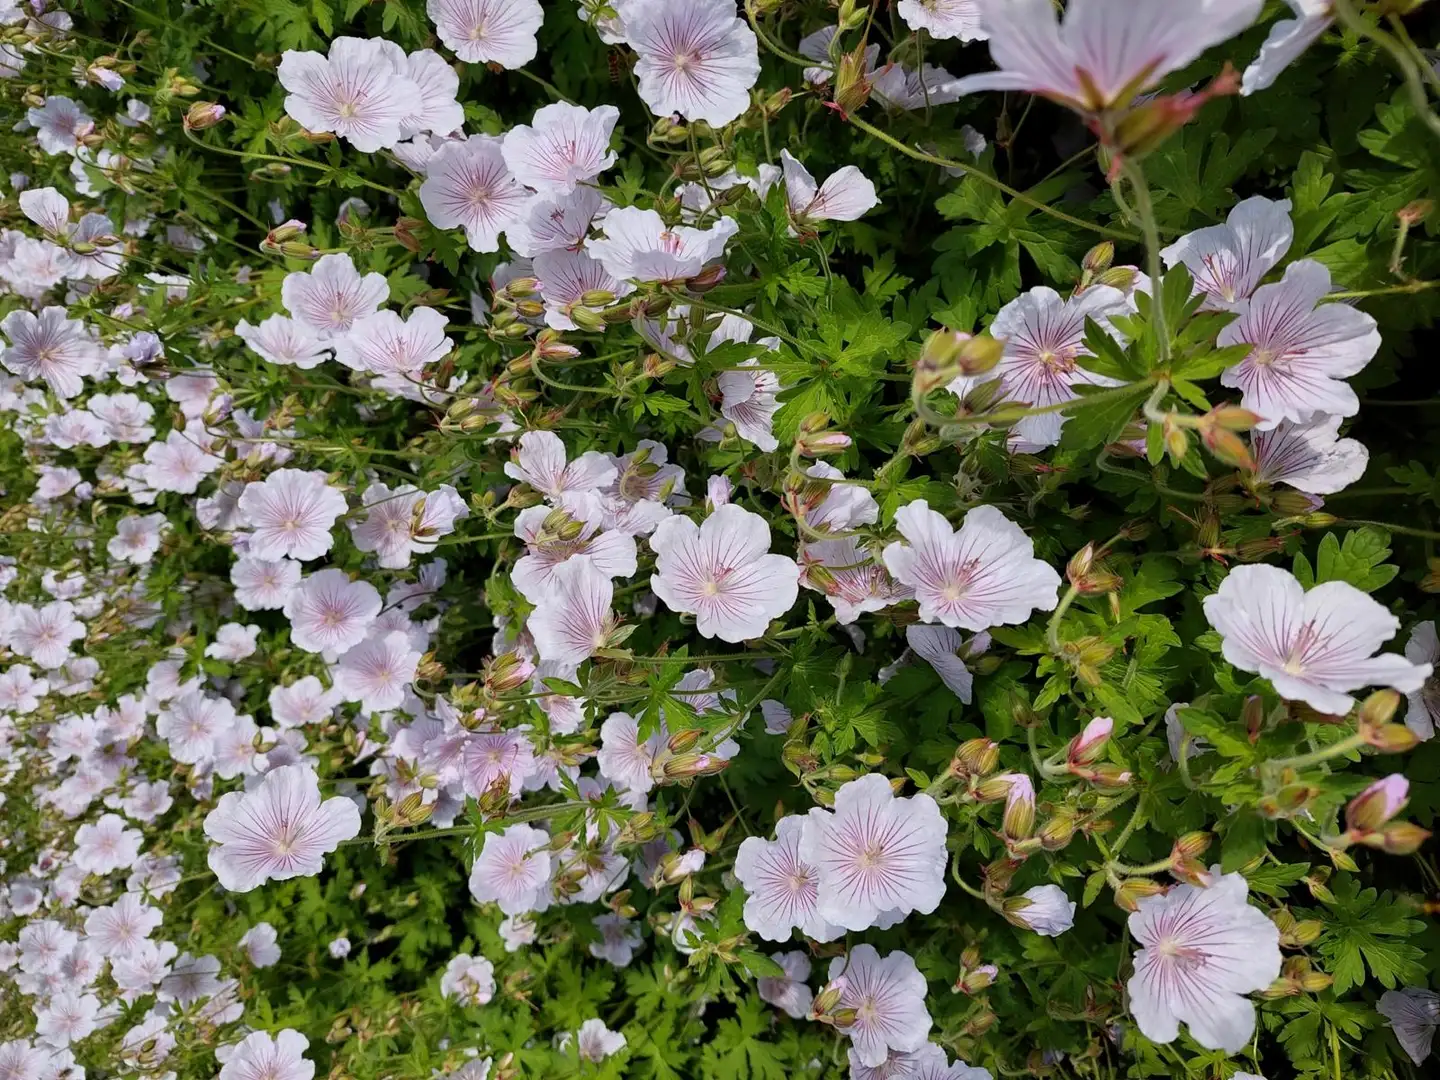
column 822, row 444
column 1019, row 820
column 1192, row 845
column 1099, row 258
column 1403, row 838
column 1415, row 212
column 973, row 980
column 202, row 115
column 1377, row 804
column 976, row 757
column 1132, row 890
column 1057, row 833
column 1088, row 747
column 508, row 671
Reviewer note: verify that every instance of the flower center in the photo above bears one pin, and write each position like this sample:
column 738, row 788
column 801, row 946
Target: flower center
column 870, row 856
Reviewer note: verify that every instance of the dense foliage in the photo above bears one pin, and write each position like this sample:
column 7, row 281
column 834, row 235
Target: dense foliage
column 684, row 539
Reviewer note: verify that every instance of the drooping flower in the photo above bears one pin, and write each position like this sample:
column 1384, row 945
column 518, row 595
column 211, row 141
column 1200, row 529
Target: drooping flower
column 850, row 576
column 1288, row 38
column 574, row 617
column 330, row 613
column 697, row 59
column 846, row 195
column 290, row 514
column 639, row 246
column 378, row 671
column 354, row 92
column 788, row 993
column 405, row 521
column 984, row 575
column 782, row 890
column 944, row 18
column 1314, row 646
column 278, row 830
column 1422, row 709
column 945, row 651
column 332, row 296
column 1228, row 261
column 722, row 573
column 260, row 943
column 387, row 344
column 468, row 979
column 1050, row 912
column 540, row 462
column 1202, row 950
column 1413, row 1014
column 468, row 184
column 513, row 870
column 563, row 146
column 595, row 1042
column 1301, row 348
column 1309, row 456
column 488, row 31
column 51, row 347
column 1104, row 52
column 262, row 1056
column 748, row 400
column 887, row 995
column 283, row 340
column 875, row 854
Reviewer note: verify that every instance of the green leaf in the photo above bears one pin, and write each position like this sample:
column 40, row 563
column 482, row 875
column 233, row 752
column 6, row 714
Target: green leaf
column 1360, row 560
column 1095, row 425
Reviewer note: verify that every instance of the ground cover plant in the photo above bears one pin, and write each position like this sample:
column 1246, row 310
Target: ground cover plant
column 705, row 539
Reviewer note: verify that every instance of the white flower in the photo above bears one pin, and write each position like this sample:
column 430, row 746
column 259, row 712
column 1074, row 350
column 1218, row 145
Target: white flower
column 354, row 92
column 107, row 845
column 624, row 760
column 565, row 145
column 339, row 948
column 469, row 980
column 1310, row 457
column 1105, row 51
column 1413, row 1013
column 119, row 928
column 782, row 889
column 852, row 580
column 619, row 938
column 290, row 514
column 1202, row 950
column 1422, row 710
column 1227, row 261
column 539, row 461
column 488, row 31
column 60, row 125
column 125, row 415
column 696, row 59
column 47, row 208
column 984, row 575
column 513, row 870
column 596, row 1042
column 67, row 1017
column 573, row 617
column 260, row 945
column 1300, row 351
column 191, row 724
column 748, row 400
column 1288, row 38
column 283, row 340
column 944, row 18
column 888, row 997
column 1050, row 913
column 557, row 222
column 722, row 573
column 233, row 642
column 639, row 246
column 945, row 651
column 330, row 613
column 51, row 347
column 136, row 538
column 877, row 856
column 305, row 701
column 20, row 691
column 401, row 522
column 845, row 196
column 788, row 993
column 261, row 1056
column 331, row 296
column 468, row 184
column 44, row 634
column 263, row 584
column 277, row 831
column 178, row 464
column 545, row 533
column 1314, row 646
column 387, row 344
column 565, row 278
column 439, row 111
column 378, row 671
column 929, row 1062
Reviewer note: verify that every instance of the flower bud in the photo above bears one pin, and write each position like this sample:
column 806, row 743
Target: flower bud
column 1391, row 738
column 1402, row 838
column 202, row 115
column 1056, row 833
column 1377, row 804
column 684, row 740
column 1133, row 890
column 1192, row 845
column 1099, row 258
column 689, row 766
column 822, row 444
column 852, row 84
column 1414, row 213
column 975, row 757
column 973, row 980
column 506, row 672
column 1019, row 819
column 1087, row 747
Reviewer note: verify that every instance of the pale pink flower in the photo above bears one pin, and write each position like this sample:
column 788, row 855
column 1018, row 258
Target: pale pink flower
column 290, row 514
column 946, row 651
column 118, row 929
column 106, row 846
column 489, row 758
column 178, row 464
column 1413, row 1013
column 612, row 553
column 59, row 350
column 261, row 1056
column 263, row 584
column 126, row 417
column 513, row 870
column 67, row 1017
column 1314, row 646
column 624, row 760
column 782, row 889
column 405, row 521
column 573, row 618
column 439, row 111
column 748, row 400
column 378, row 671
column 354, row 92
column 136, row 538
column 305, row 701
column 20, row 691
column 1422, row 710
column 722, row 573
column 1301, row 348
column 898, row 87
column 887, row 995
column 191, row 724
column 639, row 246
column 563, row 146
column 929, row 1062
column 387, row 344
column 944, row 18
column 984, row 575
column 44, row 634
column 1310, row 457
column 47, row 208
column 283, row 340
column 330, row 613
column 332, row 296
column 853, row 580
column 619, row 938
column 468, row 184
column 539, row 461
column 1202, row 949
column 1228, row 261
column 233, row 641
column 788, row 992
column 1104, row 52
column 557, row 222
column 1288, row 38
column 697, row 59
column 260, row 943
column 875, row 854
column 595, row 1042
column 278, row 830
column 488, row 31
column 845, row 196
column 1050, row 913
column 565, row 278
column 468, row 979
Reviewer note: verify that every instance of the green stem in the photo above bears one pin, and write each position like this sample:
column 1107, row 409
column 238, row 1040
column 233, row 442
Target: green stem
column 1145, row 208
column 1052, row 628
column 765, row 39
column 1389, row 290
column 1345, row 11
column 1315, row 757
